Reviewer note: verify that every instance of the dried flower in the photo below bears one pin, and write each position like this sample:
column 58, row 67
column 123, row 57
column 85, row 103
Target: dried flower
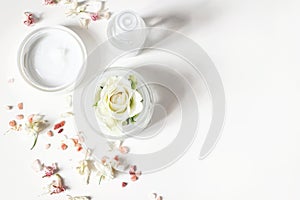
column 94, row 16
column 50, row 2
column 50, row 170
column 35, row 125
column 104, row 170
column 85, row 167
column 57, row 185
column 30, row 19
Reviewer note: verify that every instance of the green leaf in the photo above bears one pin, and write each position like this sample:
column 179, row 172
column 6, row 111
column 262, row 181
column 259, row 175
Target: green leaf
column 133, row 82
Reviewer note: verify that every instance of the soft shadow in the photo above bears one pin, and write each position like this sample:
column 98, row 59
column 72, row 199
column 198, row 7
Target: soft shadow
column 188, row 16
column 167, row 90
column 87, row 37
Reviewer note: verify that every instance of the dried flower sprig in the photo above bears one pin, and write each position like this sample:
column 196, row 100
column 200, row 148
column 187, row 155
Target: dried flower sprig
column 30, row 19
column 35, row 124
column 84, row 167
column 81, row 10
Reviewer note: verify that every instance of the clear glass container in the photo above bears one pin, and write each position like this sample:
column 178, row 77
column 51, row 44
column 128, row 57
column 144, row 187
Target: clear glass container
column 124, row 127
column 126, row 31
column 52, row 59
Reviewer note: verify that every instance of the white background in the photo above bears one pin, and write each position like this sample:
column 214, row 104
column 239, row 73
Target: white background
column 255, row 46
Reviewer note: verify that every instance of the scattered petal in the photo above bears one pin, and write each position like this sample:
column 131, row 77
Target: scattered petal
column 12, row 123
column 138, row 173
column 20, row 117
column 123, row 149
column 132, row 168
column 64, row 146
column 159, row 198
column 78, row 147
column 57, row 185
column 20, row 106
column 8, row 107
column 50, row 2
column 37, row 166
column 50, row 133
column 134, row 178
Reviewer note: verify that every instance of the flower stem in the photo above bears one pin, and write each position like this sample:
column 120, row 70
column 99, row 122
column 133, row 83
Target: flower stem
column 36, row 135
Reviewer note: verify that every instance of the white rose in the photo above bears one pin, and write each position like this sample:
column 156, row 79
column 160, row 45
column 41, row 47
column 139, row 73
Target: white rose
column 117, row 102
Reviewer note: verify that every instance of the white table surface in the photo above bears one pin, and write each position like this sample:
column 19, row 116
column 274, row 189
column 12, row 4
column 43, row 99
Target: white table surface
column 255, row 46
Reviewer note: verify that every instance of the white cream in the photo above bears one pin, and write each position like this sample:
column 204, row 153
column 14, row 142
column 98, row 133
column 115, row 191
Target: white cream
column 53, row 58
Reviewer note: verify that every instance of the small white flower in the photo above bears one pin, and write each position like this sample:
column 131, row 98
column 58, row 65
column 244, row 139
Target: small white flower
column 104, row 170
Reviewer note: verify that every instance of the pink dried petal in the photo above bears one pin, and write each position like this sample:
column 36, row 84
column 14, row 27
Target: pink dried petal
column 159, row 198
column 30, row 118
column 134, row 178
column 123, row 149
column 37, row 166
column 116, row 158
column 152, row 196
column 132, row 168
column 12, row 123
column 8, row 107
column 50, row 133
column 64, row 146
column 47, row 146
column 50, row 2
column 20, row 117
column 104, row 159
column 138, row 173
column 94, row 16
column 57, row 189
column 20, row 106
